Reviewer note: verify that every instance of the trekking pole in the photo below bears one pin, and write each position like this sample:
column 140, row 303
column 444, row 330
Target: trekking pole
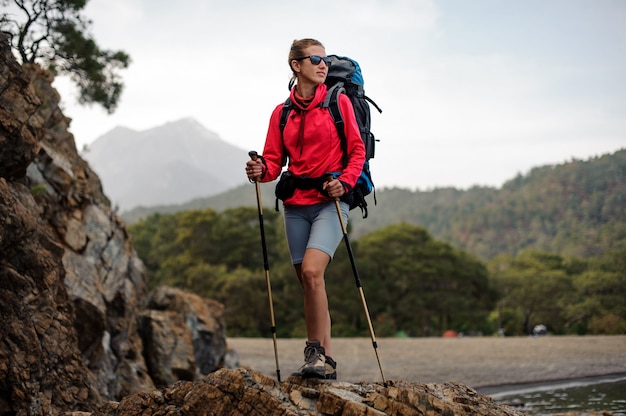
column 359, row 286
column 266, row 264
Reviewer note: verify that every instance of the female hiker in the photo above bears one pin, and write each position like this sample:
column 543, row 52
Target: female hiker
column 313, row 147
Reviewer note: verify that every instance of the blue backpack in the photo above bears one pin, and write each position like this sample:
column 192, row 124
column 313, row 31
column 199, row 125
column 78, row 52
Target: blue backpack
column 344, row 76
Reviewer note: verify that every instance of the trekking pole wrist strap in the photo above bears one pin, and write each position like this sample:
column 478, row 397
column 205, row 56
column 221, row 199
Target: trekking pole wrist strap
column 263, row 167
column 346, row 186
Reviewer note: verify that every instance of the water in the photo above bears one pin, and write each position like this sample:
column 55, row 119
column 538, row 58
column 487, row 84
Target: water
column 577, row 397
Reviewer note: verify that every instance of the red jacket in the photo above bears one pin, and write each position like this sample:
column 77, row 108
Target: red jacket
column 316, row 149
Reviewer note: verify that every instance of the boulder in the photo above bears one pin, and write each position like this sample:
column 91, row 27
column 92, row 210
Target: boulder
column 243, row 392
column 184, row 335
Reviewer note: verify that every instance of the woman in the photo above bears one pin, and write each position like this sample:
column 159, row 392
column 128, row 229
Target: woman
column 311, row 143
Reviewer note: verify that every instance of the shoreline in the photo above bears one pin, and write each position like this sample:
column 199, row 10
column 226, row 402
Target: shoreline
column 499, row 391
column 490, row 365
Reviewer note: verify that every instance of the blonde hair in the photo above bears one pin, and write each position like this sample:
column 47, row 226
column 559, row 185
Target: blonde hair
column 297, row 51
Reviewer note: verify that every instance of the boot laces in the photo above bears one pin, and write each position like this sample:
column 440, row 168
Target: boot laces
column 310, row 354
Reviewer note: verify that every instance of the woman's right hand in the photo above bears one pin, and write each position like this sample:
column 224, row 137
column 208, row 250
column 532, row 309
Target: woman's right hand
column 254, row 169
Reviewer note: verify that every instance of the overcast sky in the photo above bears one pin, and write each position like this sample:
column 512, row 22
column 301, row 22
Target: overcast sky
column 472, row 92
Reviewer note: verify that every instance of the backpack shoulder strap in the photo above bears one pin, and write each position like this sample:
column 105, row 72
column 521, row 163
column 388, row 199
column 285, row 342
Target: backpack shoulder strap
column 332, row 103
column 287, row 106
column 284, row 116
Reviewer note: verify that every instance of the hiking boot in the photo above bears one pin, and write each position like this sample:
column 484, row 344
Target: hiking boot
column 330, row 369
column 314, row 361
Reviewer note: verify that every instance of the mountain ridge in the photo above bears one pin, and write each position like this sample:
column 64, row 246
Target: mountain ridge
column 171, row 163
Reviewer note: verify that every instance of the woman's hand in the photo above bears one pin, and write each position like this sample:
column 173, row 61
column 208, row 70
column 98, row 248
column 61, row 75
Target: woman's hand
column 334, row 188
column 254, row 169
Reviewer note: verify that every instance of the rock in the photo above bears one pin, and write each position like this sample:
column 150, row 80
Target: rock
column 168, row 347
column 73, row 289
column 204, row 320
column 18, row 140
column 245, row 392
column 41, row 367
column 104, row 278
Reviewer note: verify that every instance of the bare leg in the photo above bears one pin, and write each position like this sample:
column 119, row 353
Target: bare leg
column 316, row 314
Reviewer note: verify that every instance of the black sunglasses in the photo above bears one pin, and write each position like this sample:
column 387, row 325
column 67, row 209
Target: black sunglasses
column 316, row 59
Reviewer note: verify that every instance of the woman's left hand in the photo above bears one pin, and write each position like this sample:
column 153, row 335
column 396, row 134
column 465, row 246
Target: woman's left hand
column 334, row 188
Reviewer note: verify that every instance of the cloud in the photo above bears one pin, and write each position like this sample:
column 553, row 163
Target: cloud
column 394, row 15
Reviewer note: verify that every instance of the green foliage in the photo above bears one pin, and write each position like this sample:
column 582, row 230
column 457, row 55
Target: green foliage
column 55, row 34
column 421, row 286
column 602, row 294
column 39, row 189
column 415, row 284
column 569, row 296
column 175, row 247
column 219, row 256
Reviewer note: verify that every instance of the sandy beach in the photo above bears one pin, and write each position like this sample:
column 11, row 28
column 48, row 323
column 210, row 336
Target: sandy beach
column 488, row 364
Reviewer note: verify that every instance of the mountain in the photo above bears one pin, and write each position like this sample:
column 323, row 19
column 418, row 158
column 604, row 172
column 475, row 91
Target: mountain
column 577, row 208
column 168, row 164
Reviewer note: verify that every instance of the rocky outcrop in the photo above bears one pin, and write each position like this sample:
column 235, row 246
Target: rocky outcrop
column 98, row 277
column 41, row 367
column 247, row 393
column 72, row 290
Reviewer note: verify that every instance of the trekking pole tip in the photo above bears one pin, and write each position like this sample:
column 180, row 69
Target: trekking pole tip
column 253, row 154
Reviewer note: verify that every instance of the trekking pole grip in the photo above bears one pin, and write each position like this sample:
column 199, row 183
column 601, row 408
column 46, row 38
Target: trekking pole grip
column 330, row 177
column 342, row 223
column 254, row 156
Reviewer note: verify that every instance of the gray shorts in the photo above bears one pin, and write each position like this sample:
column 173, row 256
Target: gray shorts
column 314, row 226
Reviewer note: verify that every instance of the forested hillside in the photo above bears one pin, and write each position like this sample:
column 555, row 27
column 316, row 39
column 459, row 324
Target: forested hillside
column 575, row 208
